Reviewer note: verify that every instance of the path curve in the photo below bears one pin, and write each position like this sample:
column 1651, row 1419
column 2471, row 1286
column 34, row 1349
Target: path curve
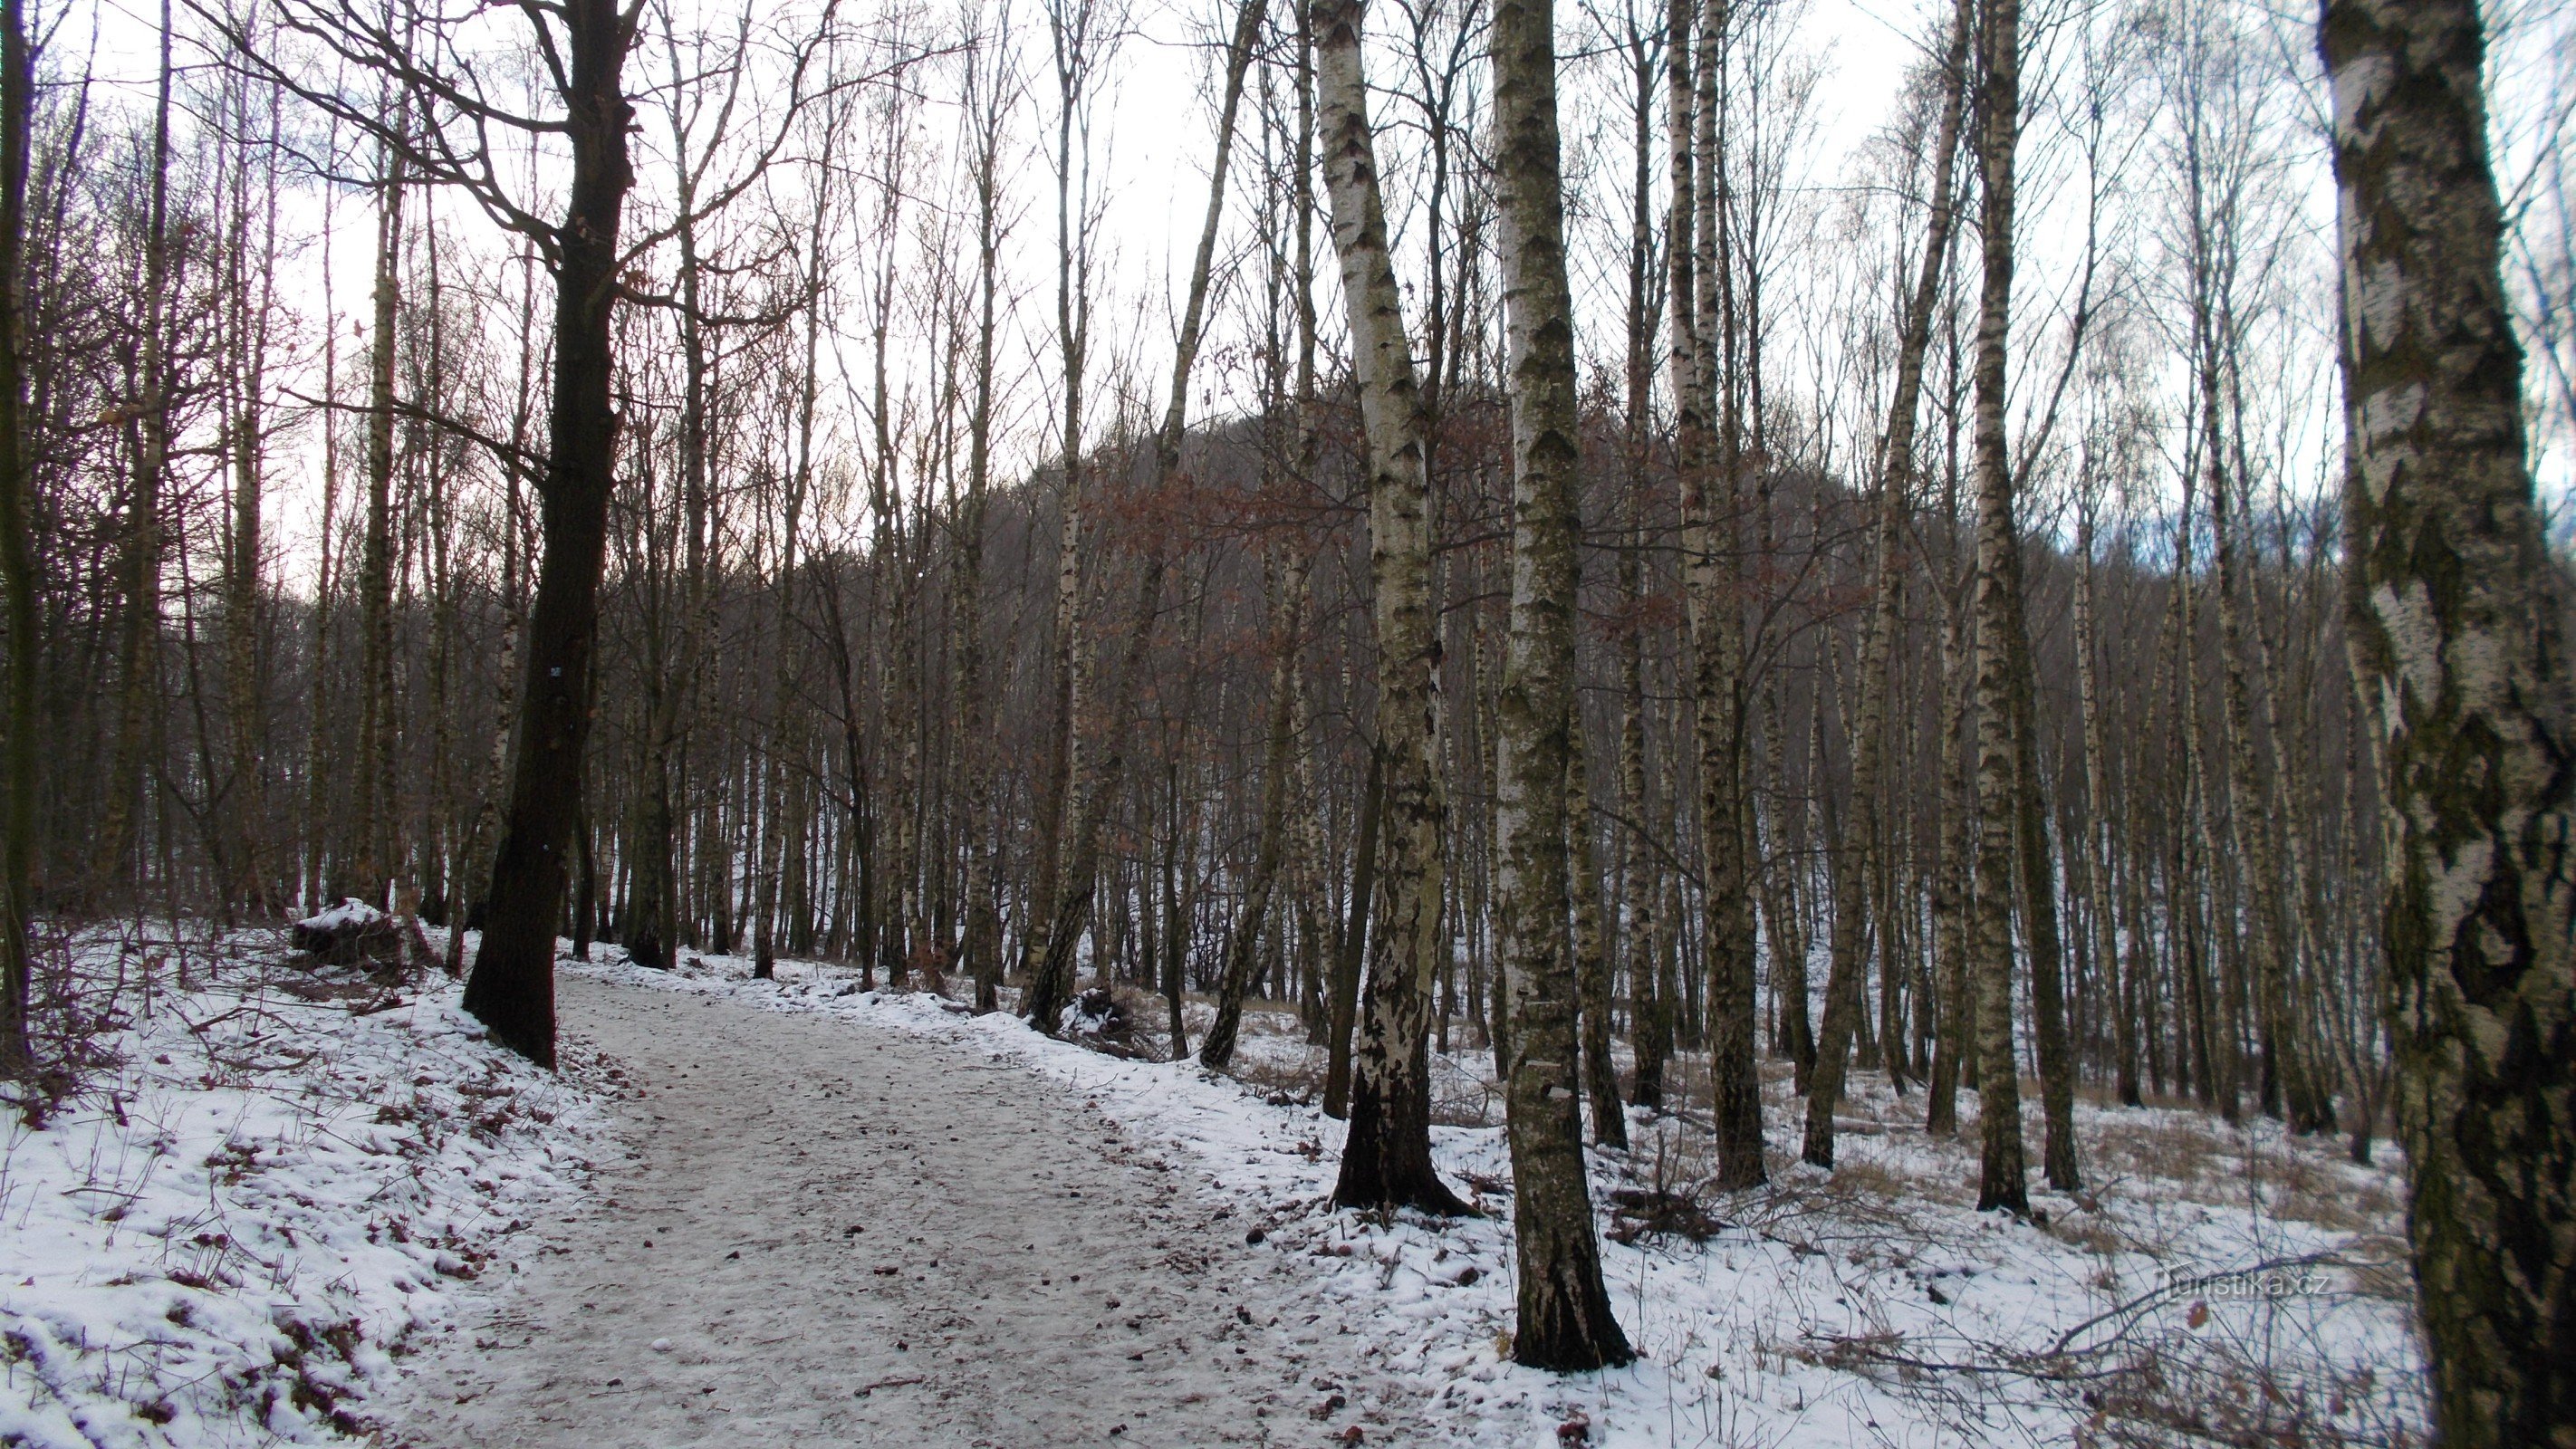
column 1016, row 1279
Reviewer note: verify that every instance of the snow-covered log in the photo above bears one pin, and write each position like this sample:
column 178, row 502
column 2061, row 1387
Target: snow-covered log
column 1099, row 1020
column 354, row 933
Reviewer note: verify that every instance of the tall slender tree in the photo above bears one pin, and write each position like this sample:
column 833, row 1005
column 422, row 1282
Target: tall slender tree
column 1712, row 500
column 1094, row 782
column 1386, row 1156
column 136, row 725
column 17, row 555
column 1564, row 1313
column 2003, row 1180
column 1872, row 729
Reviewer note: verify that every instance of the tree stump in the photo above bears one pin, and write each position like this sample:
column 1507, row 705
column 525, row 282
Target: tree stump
column 1100, row 1021
column 356, row 934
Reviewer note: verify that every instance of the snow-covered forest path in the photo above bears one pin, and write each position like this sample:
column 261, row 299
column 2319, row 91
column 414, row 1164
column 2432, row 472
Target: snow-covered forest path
column 828, row 1232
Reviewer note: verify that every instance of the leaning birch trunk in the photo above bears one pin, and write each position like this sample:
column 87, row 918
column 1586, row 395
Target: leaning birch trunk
column 375, row 806
column 2036, row 859
column 982, row 945
column 1216, row 1051
column 1591, row 950
column 2457, row 611
column 1564, row 1320
column 1093, row 787
column 2096, row 854
column 1386, row 1157
column 1871, row 730
column 2001, row 1181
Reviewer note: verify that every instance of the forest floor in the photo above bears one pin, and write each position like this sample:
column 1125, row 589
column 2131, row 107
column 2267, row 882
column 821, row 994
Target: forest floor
column 286, row 1205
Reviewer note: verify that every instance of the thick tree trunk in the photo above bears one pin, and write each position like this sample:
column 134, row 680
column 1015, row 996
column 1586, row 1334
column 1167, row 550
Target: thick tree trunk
column 512, row 988
column 1998, row 604
column 1565, row 1321
column 2458, row 612
column 1386, row 1157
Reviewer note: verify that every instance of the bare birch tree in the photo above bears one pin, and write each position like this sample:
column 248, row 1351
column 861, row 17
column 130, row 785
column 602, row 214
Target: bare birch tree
column 1386, row 1156
column 1564, row 1319
column 2458, row 618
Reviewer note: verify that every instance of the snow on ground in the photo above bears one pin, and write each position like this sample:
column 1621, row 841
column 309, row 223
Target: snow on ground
column 270, row 1182
column 2209, row 1282
column 263, row 1184
column 831, row 1231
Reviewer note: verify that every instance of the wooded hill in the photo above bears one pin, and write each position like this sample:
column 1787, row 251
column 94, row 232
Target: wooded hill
column 1676, row 601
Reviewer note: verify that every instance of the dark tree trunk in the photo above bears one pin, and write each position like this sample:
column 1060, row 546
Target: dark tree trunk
column 17, row 553
column 513, row 987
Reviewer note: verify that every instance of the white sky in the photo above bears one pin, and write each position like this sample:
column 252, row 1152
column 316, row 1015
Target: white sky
column 1155, row 132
